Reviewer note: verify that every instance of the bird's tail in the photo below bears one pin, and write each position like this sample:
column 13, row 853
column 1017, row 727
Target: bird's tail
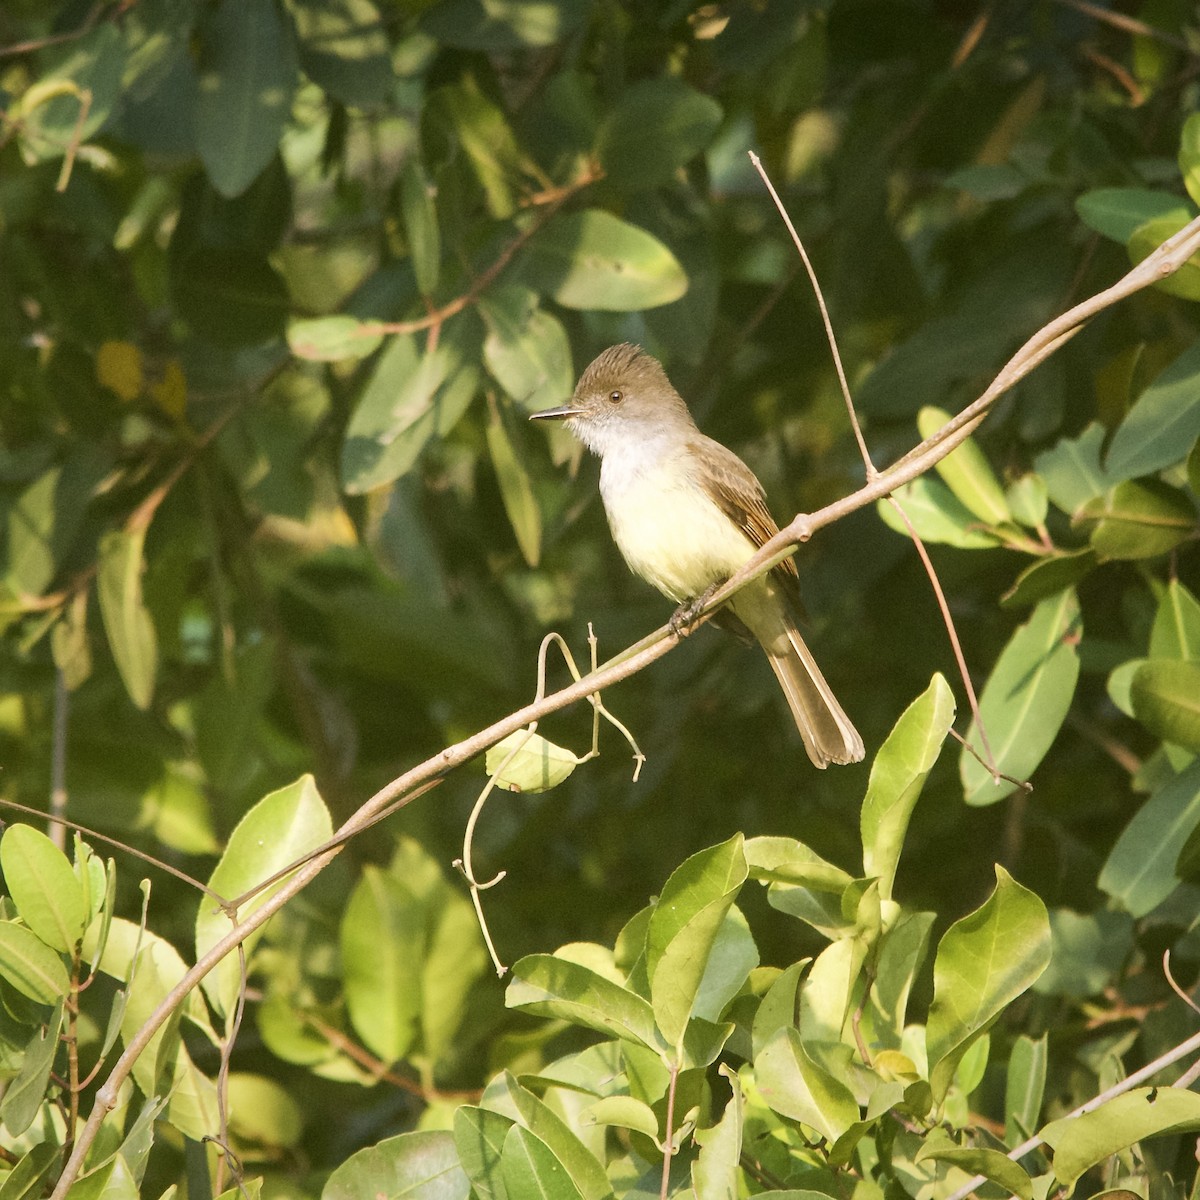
column 829, row 735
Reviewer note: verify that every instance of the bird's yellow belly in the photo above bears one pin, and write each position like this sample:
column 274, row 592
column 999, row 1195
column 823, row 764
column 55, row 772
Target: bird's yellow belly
column 671, row 533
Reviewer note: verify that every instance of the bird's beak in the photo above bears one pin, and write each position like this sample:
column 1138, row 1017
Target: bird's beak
column 557, row 414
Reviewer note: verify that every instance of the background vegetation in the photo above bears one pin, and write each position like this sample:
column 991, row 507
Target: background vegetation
column 279, row 282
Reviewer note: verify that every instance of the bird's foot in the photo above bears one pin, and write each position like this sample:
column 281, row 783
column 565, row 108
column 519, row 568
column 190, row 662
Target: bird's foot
column 685, row 615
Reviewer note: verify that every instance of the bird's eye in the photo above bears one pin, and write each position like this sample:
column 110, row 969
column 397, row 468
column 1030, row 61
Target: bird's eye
column 616, row 397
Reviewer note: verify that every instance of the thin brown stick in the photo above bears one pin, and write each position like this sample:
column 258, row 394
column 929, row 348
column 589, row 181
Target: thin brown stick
column 1106, row 16
column 669, row 1140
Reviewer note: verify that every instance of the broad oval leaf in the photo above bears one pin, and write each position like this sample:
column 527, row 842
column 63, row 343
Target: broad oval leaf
column 526, row 348
column 536, row 766
column 1118, row 212
column 1141, row 518
column 593, row 260
column 683, row 931
column 344, row 48
column 795, row 1086
column 984, row 962
column 937, row 515
column 1024, row 1087
column 382, row 941
column 531, row 1169
column 1184, row 280
column 281, row 828
column 656, row 127
column 246, row 79
column 1048, row 576
column 992, row 1164
column 1140, row 870
column 1079, row 1143
column 421, row 225
column 43, row 886
column 1162, row 424
column 332, row 339
column 30, row 966
column 1026, row 698
column 1165, row 694
column 420, row 1164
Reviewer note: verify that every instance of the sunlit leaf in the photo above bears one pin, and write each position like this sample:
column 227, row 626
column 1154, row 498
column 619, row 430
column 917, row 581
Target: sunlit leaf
column 423, row 1163
column 1079, row 1143
column 536, row 766
column 984, row 962
column 1118, row 212
column 516, row 490
column 1026, row 698
column 1166, row 699
column 937, row 515
column 127, row 621
column 43, row 886
column 332, row 339
column 967, row 473
column 593, row 260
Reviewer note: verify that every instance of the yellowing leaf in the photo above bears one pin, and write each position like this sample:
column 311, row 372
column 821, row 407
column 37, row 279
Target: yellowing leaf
column 170, row 392
column 119, row 368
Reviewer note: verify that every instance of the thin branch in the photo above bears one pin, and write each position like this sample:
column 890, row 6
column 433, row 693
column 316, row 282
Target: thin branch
column 1126, row 24
column 1159, row 265
column 554, row 201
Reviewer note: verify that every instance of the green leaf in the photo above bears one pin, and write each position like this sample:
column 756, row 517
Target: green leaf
column 421, row 225
column 1165, row 694
column 1140, row 870
column 228, row 295
column 526, row 348
column 623, row 1112
column 795, row 1086
column 992, row 1164
column 531, row 1171
column 897, row 776
column 1072, row 470
column 479, row 128
column 516, row 491
column 683, row 931
column 479, row 1137
column 902, row 951
column 247, row 75
column 967, row 473
column 548, row 986
column 126, row 619
column 537, row 766
column 984, row 962
column 1024, row 1087
column 1176, row 629
column 1080, row 1143
column 25, row 1095
column 423, row 1164
column 281, row 828
column 43, row 886
column 1047, row 577
column 583, row 1170
column 382, row 939
column 149, row 967
column 332, row 339
column 1028, row 500
column 1118, row 212
column 344, row 49
column 28, row 1179
column 1026, row 698
column 410, row 399
column 656, row 127
column 785, row 860
column 716, row 1171
column 1189, row 156
column 263, row 1112
column 593, row 260
column 1161, row 426
column 1088, row 952
column 937, row 515
column 1140, row 518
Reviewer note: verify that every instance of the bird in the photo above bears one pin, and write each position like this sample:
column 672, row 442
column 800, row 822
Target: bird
column 686, row 513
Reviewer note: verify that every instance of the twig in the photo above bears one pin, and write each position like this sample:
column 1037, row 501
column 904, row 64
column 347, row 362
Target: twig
column 1163, row 262
column 433, row 320
column 669, row 1140
column 1106, row 16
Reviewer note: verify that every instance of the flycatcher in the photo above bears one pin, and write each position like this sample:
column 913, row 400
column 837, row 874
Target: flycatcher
column 686, row 513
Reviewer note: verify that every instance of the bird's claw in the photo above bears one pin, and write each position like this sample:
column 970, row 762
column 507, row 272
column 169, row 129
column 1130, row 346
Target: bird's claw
column 685, row 615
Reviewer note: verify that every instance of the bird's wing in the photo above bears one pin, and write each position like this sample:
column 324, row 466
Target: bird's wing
column 737, row 492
